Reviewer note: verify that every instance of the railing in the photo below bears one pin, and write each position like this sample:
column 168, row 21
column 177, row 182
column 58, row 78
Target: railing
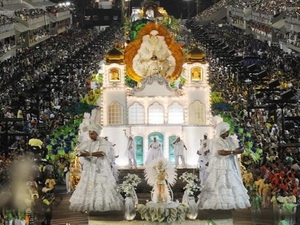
column 6, row 27
column 292, row 20
column 31, row 21
column 262, row 18
column 58, row 14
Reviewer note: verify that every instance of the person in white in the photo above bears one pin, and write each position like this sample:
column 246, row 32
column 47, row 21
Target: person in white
column 203, row 160
column 179, row 147
column 155, row 151
column 97, row 187
column 131, row 150
column 112, row 157
column 161, row 175
column 224, row 188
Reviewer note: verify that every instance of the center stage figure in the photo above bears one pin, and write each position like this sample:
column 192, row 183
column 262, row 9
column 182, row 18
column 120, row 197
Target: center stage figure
column 96, row 190
column 155, row 151
column 224, row 188
column 161, row 175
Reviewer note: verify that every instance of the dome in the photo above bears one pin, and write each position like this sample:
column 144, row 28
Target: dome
column 196, row 55
column 114, row 56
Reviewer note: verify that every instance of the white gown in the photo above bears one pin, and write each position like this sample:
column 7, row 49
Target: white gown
column 155, row 152
column 223, row 188
column 96, row 190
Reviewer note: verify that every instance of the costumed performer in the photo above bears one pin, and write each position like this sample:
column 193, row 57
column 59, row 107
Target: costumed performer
column 203, row 160
column 179, row 147
column 161, row 175
column 97, row 188
column 131, row 150
column 112, row 158
column 224, row 188
column 155, row 151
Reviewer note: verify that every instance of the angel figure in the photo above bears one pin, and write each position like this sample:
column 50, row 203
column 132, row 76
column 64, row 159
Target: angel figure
column 161, row 175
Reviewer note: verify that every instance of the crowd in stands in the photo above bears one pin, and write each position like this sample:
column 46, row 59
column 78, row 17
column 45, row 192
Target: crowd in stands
column 273, row 7
column 26, row 14
column 5, row 20
column 246, row 4
column 57, row 9
column 294, row 12
column 36, row 80
column 260, row 28
column 266, row 6
column 208, row 12
column 31, row 188
column 269, row 7
column 6, row 24
column 278, row 171
column 39, row 34
column 293, row 38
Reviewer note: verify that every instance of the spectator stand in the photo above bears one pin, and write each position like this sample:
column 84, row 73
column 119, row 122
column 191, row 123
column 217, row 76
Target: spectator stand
column 12, row 130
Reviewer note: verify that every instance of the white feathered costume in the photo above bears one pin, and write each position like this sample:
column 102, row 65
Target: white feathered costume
column 161, row 175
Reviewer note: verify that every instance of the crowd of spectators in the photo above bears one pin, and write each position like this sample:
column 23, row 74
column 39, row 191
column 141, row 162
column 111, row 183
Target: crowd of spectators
column 36, row 78
column 26, row 14
column 6, row 24
column 57, row 9
column 5, row 20
column 214, row 8
column 31, row 194
column 261, row 26
column 246, row 3
column 278, row 168
column 39, row 34
column 294, row 12
column 269, row 7
column 266, row 6
column 35, row 81
column 261, row 29
column 293, row 38
column 273, row 7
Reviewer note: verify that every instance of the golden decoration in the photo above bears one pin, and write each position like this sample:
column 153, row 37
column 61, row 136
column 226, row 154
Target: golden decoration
column 114, row 56
column 196, row 55
column 133, row 47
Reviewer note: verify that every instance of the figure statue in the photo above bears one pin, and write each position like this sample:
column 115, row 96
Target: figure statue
column 154, row 56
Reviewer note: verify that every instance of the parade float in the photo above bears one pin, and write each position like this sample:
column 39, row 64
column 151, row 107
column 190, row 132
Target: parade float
column 154, row 86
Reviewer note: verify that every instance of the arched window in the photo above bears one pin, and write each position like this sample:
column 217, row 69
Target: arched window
column 171, row 149
column 175, row 114
column 196, row 73
column 156, row 114
column 196, row 113
column 136, row 114
column 114, row 74
column 115, row 114
column 139, row 150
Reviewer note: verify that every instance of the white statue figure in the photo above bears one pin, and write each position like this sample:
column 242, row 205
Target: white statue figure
column 154, row 56
column 161, row 175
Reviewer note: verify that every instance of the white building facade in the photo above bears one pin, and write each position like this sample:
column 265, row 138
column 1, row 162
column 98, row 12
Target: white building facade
column 154, row 108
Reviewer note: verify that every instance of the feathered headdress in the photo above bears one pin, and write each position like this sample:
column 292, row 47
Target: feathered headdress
column 158, row 165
